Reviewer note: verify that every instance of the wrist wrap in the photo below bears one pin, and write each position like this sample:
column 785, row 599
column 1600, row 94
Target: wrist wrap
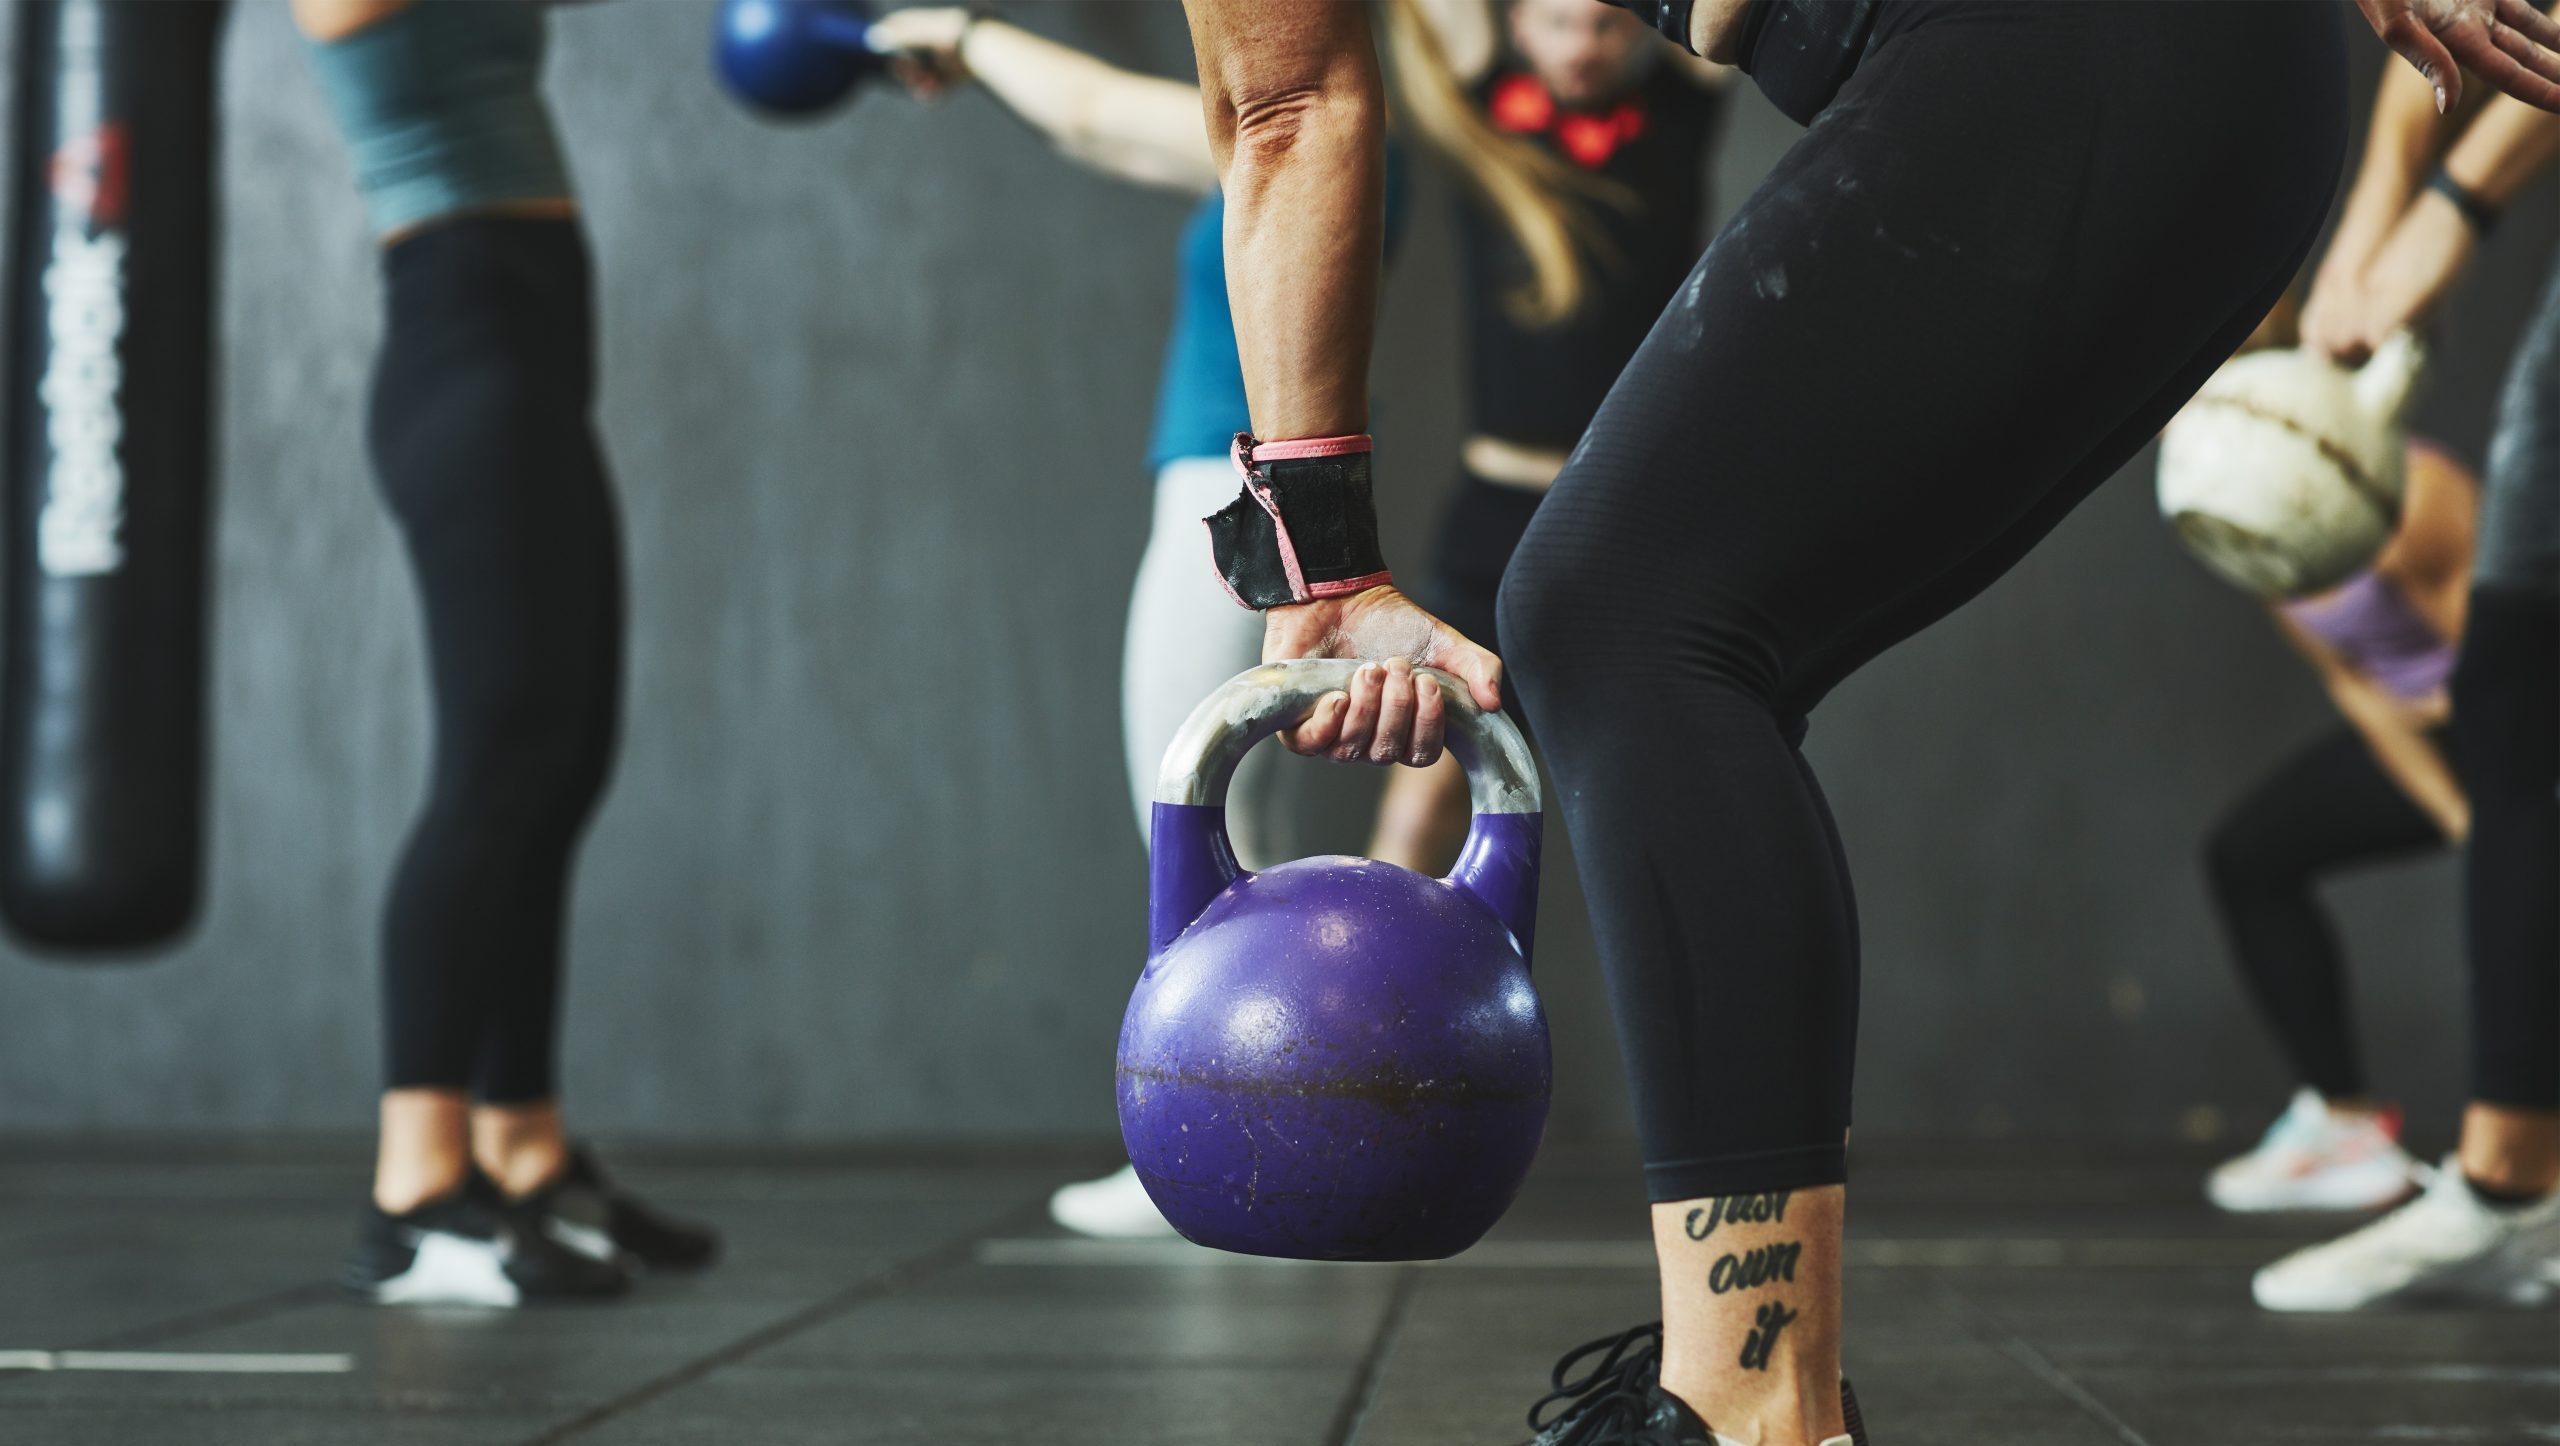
column 1303, row 527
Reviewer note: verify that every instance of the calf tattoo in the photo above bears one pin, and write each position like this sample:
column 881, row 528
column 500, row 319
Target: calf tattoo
column 1754, row 1268
column 1735, row 1210
column 1757, row 1346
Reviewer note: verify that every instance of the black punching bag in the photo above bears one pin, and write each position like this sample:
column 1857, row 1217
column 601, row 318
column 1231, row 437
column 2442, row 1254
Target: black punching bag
column 110, row 375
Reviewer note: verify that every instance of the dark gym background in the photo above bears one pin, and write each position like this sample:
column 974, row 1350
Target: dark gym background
column 877, row 392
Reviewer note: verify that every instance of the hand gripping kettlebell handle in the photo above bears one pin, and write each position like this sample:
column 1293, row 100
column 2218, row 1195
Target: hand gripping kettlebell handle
column 1190, row 859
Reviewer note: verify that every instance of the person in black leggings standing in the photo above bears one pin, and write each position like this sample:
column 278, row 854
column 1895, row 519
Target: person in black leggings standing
column 2488, row 1228
column 479, row 427
column 1580, row 141
column 2376, row 786
column 1966, row 297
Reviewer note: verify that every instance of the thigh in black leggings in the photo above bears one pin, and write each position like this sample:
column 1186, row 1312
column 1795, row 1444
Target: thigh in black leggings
column 482, row 438
column 2328, row 808
column 2014, row 243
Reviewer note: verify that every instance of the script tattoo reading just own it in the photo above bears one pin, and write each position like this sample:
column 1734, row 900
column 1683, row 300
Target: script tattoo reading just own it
column 1736, row 1210
column 1753, row 1268
column 1757, row 1346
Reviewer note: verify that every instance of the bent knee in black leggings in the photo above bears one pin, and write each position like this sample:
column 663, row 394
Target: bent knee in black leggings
column 1684, row 791
column 1948, row 314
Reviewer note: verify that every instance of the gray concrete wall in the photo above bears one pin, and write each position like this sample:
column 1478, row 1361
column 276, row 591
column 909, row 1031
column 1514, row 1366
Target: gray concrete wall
column 876, row 392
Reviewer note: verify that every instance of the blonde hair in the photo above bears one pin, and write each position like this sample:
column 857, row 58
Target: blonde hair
column 1543, row 201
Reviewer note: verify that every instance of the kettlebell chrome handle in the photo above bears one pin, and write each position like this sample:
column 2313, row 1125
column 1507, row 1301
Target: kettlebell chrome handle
column 2386, row 386
column 1191, row 860
column 1259, row 702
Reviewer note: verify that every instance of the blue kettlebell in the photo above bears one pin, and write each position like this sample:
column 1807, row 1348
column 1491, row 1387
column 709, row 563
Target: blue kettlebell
column 793, row 57
column 1335, row 1058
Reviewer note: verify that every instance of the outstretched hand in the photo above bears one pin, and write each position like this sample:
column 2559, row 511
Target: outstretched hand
column 1388, row 715
column 2507, row 43
column 923, row 46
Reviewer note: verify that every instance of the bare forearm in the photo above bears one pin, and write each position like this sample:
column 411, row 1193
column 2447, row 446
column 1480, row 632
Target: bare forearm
column 2503, row 150
column 2391, row 731
column 1137, row 128
column 1296, row 119
column 2405, row 753
column 2406, row 137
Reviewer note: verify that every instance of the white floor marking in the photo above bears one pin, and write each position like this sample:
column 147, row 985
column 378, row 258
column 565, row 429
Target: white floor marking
column 237, row 1363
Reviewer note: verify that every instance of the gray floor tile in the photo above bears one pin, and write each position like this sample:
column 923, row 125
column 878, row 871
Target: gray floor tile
column 237, row 1424
column 1997, row 1297
column 1057, row 1316
column 1022, row 1405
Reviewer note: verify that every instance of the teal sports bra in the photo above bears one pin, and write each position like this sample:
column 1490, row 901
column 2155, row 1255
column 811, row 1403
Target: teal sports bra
column 441, row 104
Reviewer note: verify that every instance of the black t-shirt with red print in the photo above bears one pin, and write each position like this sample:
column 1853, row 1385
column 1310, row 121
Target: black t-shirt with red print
column 1538, row 386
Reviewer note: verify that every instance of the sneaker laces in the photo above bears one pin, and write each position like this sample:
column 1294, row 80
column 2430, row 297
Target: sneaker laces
column 1607, row 1396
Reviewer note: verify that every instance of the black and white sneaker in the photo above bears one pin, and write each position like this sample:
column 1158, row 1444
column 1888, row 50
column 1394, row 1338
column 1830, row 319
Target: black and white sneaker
column 1618, row 1400
column 1609, row 1390
column 590, row 1214
column 1668, row 1421
column 468, row 1249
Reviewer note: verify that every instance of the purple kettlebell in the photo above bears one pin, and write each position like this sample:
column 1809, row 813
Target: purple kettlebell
column 1336, row 1058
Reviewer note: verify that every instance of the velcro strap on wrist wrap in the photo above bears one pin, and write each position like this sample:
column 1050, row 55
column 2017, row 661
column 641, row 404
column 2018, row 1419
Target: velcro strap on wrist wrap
column 1303, row 526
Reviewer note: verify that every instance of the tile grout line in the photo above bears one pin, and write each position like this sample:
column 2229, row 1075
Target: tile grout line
column 1364, row 1386
column 1986, row 1331
column 897, row 1275
column 2041, row 1366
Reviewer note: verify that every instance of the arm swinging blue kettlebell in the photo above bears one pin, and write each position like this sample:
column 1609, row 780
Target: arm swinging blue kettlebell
column 793, row 57
column 1190, row 860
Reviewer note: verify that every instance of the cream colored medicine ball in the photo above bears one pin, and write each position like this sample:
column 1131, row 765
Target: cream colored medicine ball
column 2284, row 473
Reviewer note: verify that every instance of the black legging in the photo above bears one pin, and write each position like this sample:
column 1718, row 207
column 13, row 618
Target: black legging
column 2506, row 694
column 2015, row 242
column 480, row 432
column 2328, row 807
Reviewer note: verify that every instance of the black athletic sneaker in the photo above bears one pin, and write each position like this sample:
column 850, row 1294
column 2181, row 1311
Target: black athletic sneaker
column 1618, row 1400
column 1655, row 1417
column 468, row 1249
column 597, row 1218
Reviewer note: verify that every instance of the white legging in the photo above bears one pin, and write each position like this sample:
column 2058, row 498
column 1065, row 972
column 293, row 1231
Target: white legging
column 1186, row 636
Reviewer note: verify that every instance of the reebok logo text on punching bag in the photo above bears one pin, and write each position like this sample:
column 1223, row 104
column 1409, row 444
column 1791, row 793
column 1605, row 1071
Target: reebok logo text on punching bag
column 77, row 533
column 109, row 480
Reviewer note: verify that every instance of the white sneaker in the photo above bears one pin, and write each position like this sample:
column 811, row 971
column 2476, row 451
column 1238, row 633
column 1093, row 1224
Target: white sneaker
column 1114, row 1207
column 2445, row 1247
column 2314, row 1159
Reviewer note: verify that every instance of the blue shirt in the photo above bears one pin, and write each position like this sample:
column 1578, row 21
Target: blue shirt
column 1200, row 404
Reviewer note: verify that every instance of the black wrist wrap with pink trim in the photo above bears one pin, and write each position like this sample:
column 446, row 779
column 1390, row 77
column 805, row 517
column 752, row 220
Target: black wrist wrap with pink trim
column 1303, row 527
